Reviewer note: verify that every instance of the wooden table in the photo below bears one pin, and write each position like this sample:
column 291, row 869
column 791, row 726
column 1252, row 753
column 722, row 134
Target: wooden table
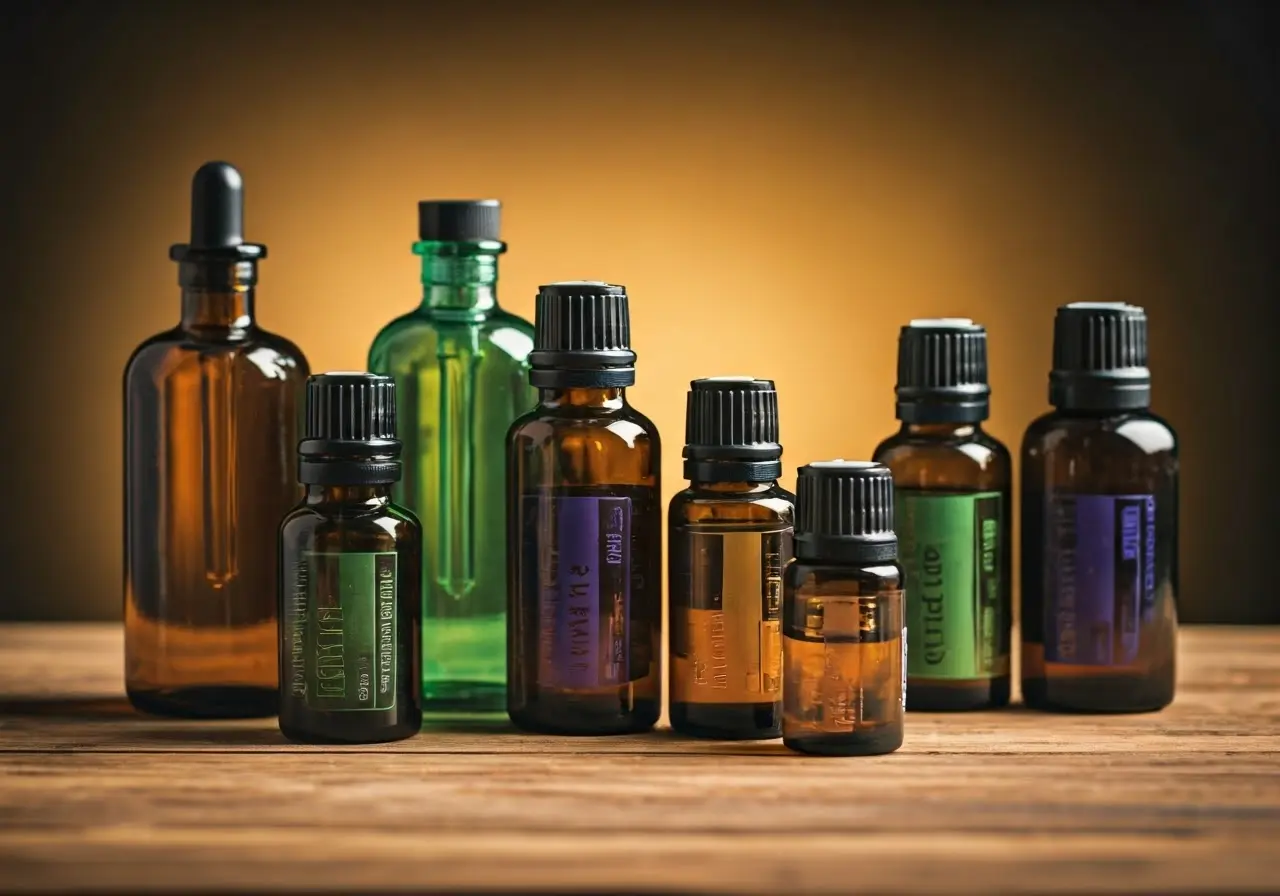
column 95, row 797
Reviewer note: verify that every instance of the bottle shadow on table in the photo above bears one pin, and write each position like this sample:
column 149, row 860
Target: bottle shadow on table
column 93, row 709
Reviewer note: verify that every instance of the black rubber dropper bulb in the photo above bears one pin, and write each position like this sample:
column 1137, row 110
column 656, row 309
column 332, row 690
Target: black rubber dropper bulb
column 217, row 216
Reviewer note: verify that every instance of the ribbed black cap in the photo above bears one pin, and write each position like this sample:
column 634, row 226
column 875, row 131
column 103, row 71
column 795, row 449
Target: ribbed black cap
column 350, row 433
column 844, row 512
column 583, row 336
column 731, row 430
column 459, row 220
column 1100, row 358
column 217, row 218
column 942, row 372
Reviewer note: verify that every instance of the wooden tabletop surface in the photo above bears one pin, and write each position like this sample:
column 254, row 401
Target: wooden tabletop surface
column 94, row 797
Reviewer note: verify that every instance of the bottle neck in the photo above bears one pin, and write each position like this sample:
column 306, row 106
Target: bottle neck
column 459, row 276
column 217, row 296
column 941, row 431
column 610, row 398
column 379, row 493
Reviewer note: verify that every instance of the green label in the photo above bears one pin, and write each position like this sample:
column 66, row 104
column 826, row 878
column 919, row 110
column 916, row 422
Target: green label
column 950, row 549
column 340, row 630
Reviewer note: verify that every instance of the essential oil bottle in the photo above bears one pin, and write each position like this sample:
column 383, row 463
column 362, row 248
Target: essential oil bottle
column 460, row 363
column 844, row 648
column 1099, row 524
column 953, row 517
column 585, row 527
column 211, row 414
column 350, row 562
column 730, row 537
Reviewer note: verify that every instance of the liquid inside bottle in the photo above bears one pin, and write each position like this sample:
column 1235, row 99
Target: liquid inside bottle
column 212, row 410
column 460, row 366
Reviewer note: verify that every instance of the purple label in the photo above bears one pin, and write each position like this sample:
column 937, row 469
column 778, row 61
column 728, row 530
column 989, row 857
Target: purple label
column 582, row 549
column 1100, row 578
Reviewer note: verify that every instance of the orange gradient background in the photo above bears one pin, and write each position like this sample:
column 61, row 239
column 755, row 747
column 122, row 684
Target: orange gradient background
column 779, row 186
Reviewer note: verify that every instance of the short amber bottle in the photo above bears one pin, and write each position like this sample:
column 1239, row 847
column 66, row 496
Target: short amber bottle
column 584, row 516
column 843, row 644
column 952, row 486
column 1099, row 524
column 350, row 574
column 730, row 537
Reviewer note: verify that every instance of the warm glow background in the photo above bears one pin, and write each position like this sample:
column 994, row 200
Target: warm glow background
column 778, row 185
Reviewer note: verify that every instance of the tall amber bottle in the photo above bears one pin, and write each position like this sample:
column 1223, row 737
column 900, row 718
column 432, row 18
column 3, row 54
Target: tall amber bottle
column 584, row 520
column 952, row 489
column 1099, row 524
column 730, row 537
column 211, row 415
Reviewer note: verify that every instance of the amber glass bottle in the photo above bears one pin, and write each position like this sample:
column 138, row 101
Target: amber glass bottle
column 1099, row 524
column 585, row 527
column 350, row 574
column 730, row 537
column 952, row 483
column 844, row 670
column 211, row 412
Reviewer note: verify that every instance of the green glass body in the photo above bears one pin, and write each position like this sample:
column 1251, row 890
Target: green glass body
column 952, row 485
column 728, row 545
column 350, row 608
column 459, row 362
column 212, row 410
column 585, row 565
column 843, row 678
column 1099, row 562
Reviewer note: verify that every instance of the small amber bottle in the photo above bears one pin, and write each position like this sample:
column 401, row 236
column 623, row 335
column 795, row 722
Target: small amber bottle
column 730, row 536
column 952, row 483
column 1099, row 524
column 843, row 643
column 350, row 567
column 584, row 515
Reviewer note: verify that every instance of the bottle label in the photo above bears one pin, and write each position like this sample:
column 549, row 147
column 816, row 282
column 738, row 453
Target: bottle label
column 580, row 550
column 1100, row 577
column 726, row 602
column 951, row 550
column 340, row 631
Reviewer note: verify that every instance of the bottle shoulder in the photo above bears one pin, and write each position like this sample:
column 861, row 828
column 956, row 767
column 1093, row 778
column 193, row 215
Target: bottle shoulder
column 772, row 505
column 310, row 520
column 626, row 427
column 818, row 578
column 176, row 353
column 975, row 461
column 1137, row 433
column 415, row 337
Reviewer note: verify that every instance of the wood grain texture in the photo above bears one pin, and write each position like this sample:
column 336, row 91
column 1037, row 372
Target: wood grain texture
column 96, row 798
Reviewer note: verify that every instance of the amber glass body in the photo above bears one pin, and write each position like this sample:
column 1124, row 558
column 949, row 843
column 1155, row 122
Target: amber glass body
column 708, row 696
column 950, row 459
column 212, row 410
column 843, row 676
column 358, row 519
column 583, row 442
column 1064, row 455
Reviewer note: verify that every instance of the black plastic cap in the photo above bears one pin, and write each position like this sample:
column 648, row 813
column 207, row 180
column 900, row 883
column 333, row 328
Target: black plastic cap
column 217, row 217
column 582, row 336
column 1100, row 358
column 844, row 512
column 731, row 430
column 350, row 430
column 942, row 372
column 459, row 220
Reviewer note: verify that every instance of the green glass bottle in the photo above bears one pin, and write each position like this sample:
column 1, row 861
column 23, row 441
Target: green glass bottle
column 461, row 372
